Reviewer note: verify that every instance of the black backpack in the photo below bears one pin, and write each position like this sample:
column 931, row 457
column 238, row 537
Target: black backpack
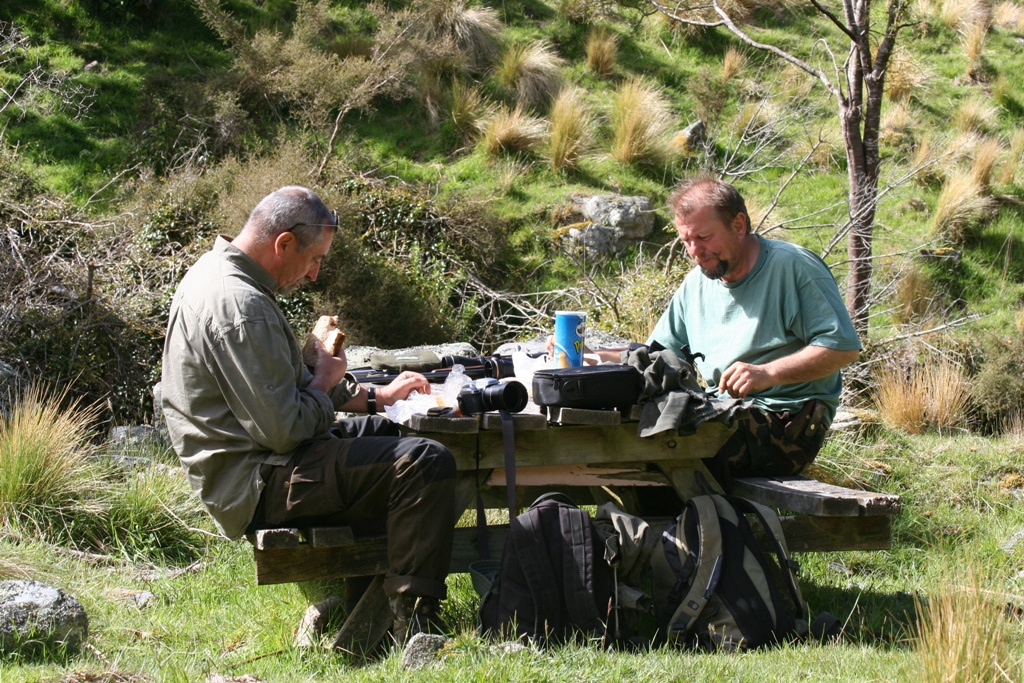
column 553, row 582
column 716, row 589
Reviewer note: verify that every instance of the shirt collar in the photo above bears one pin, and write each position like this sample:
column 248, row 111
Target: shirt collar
column 245, row 263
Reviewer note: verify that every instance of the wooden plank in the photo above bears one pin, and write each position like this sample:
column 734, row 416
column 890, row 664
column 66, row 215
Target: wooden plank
column 368, row 623
column 582, row 416
column 812, row 497
column 583, row 444
column 581, row 475
column 520, row 421
column 269, row 539
column 443, row 425
column 329, row 536
column 803, row 534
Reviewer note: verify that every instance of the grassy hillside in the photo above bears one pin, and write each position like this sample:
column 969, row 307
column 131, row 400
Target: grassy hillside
column 435, row 130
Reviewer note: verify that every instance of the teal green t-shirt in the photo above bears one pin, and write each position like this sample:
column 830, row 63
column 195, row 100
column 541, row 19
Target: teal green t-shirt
column 789, row 300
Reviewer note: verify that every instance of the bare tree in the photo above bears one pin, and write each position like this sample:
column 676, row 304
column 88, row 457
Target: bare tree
column 857, row 86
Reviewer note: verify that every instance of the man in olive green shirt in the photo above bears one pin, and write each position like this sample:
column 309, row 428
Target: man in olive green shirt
column 256, row 431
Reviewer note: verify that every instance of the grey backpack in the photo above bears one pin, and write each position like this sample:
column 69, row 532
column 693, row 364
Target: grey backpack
column 715, row 588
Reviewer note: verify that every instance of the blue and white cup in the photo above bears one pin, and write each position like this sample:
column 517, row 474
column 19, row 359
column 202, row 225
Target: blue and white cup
column 570, row 330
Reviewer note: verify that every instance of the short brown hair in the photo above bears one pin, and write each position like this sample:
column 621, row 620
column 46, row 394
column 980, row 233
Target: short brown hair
column 696, row 193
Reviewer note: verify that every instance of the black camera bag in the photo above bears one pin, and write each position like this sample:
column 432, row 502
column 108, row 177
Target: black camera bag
column 592, row 387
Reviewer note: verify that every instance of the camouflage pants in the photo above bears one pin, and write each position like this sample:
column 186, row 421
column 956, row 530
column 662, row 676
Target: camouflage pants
column 770, row 444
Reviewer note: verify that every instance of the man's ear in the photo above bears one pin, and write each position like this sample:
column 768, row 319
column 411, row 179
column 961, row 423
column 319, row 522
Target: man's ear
column 283, row 242
column 741, row 223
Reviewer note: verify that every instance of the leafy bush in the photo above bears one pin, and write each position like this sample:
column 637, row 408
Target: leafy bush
column 998, row 387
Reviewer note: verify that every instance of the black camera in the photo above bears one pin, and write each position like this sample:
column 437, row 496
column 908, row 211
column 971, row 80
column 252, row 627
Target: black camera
column 490, row 394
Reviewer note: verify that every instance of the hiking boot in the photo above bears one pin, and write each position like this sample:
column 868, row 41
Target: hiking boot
column 413, row 615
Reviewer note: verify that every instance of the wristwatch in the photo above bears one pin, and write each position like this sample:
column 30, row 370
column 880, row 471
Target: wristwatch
column 371, row 400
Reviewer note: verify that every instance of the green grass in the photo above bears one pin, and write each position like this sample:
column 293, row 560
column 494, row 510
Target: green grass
column 959, row 501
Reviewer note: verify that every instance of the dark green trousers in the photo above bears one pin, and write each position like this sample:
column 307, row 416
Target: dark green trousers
column 364, row 474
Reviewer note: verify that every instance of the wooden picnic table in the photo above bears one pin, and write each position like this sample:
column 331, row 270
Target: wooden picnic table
column 594, row 456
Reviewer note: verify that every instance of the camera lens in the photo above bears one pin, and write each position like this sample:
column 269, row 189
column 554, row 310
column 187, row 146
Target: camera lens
column 510, row 396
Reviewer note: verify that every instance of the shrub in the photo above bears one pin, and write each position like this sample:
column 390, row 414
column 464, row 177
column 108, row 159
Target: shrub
column 602, row 50
column 533, row 71
column 512, row 131
column 641, row 120
column 571, row 129
column 998, row 387
column 710, row 93
column 961, row 204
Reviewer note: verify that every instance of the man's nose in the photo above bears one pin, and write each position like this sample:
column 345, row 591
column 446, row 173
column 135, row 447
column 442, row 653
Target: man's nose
column 314, row 270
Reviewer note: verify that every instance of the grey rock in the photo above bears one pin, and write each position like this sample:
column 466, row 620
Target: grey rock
column 696, row 134
column 509, row 647
column 615, row 222
column 36, row 618
column 359, row 356
column 1011, row 543
column 316, row 619
column 422, row 650
column 245, row 678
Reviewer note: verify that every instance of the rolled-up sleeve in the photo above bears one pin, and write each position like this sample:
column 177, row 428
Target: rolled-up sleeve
column 261, row 390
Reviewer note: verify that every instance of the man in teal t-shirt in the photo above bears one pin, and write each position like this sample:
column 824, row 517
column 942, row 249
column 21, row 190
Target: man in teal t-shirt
column 769, row 320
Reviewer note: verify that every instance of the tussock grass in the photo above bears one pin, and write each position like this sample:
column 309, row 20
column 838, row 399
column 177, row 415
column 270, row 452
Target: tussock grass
column 897, row 126
column 973, row 42
column 822, row 149
column 602, row 50
column 975, row 115
column 1009, row 15
column 467, row 110
column 512, row 131
column 47, row 470
column 572, row 126
column 963, row 635
column 532, row 70
column 474, row 31
column 641, row 121
column 935, row 395
column 755, row 115
column 733, row 63
column 914, row 296
column 956, row 15
column 905, row 76
column 924, row 161
column 985, row 158
column 960, row 204
column 1012, row 161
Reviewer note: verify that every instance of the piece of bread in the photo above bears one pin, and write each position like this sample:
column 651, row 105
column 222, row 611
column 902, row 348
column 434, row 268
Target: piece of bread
column 326, row 330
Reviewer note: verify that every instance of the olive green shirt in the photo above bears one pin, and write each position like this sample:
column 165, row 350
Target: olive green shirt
column 234, row 386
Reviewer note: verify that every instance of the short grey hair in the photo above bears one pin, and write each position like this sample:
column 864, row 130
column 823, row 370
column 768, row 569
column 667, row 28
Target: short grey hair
column 292, row 209
column 696, row 193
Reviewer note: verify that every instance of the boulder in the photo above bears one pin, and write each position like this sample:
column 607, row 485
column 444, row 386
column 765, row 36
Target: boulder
column 36, row 618
column 611, row 222
column 422, row 650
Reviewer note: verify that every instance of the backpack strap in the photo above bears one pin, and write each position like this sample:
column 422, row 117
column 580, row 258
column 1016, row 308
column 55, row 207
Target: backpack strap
column 578, row 564
column 530, row 548
column 709, row 563
column 770, row 521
